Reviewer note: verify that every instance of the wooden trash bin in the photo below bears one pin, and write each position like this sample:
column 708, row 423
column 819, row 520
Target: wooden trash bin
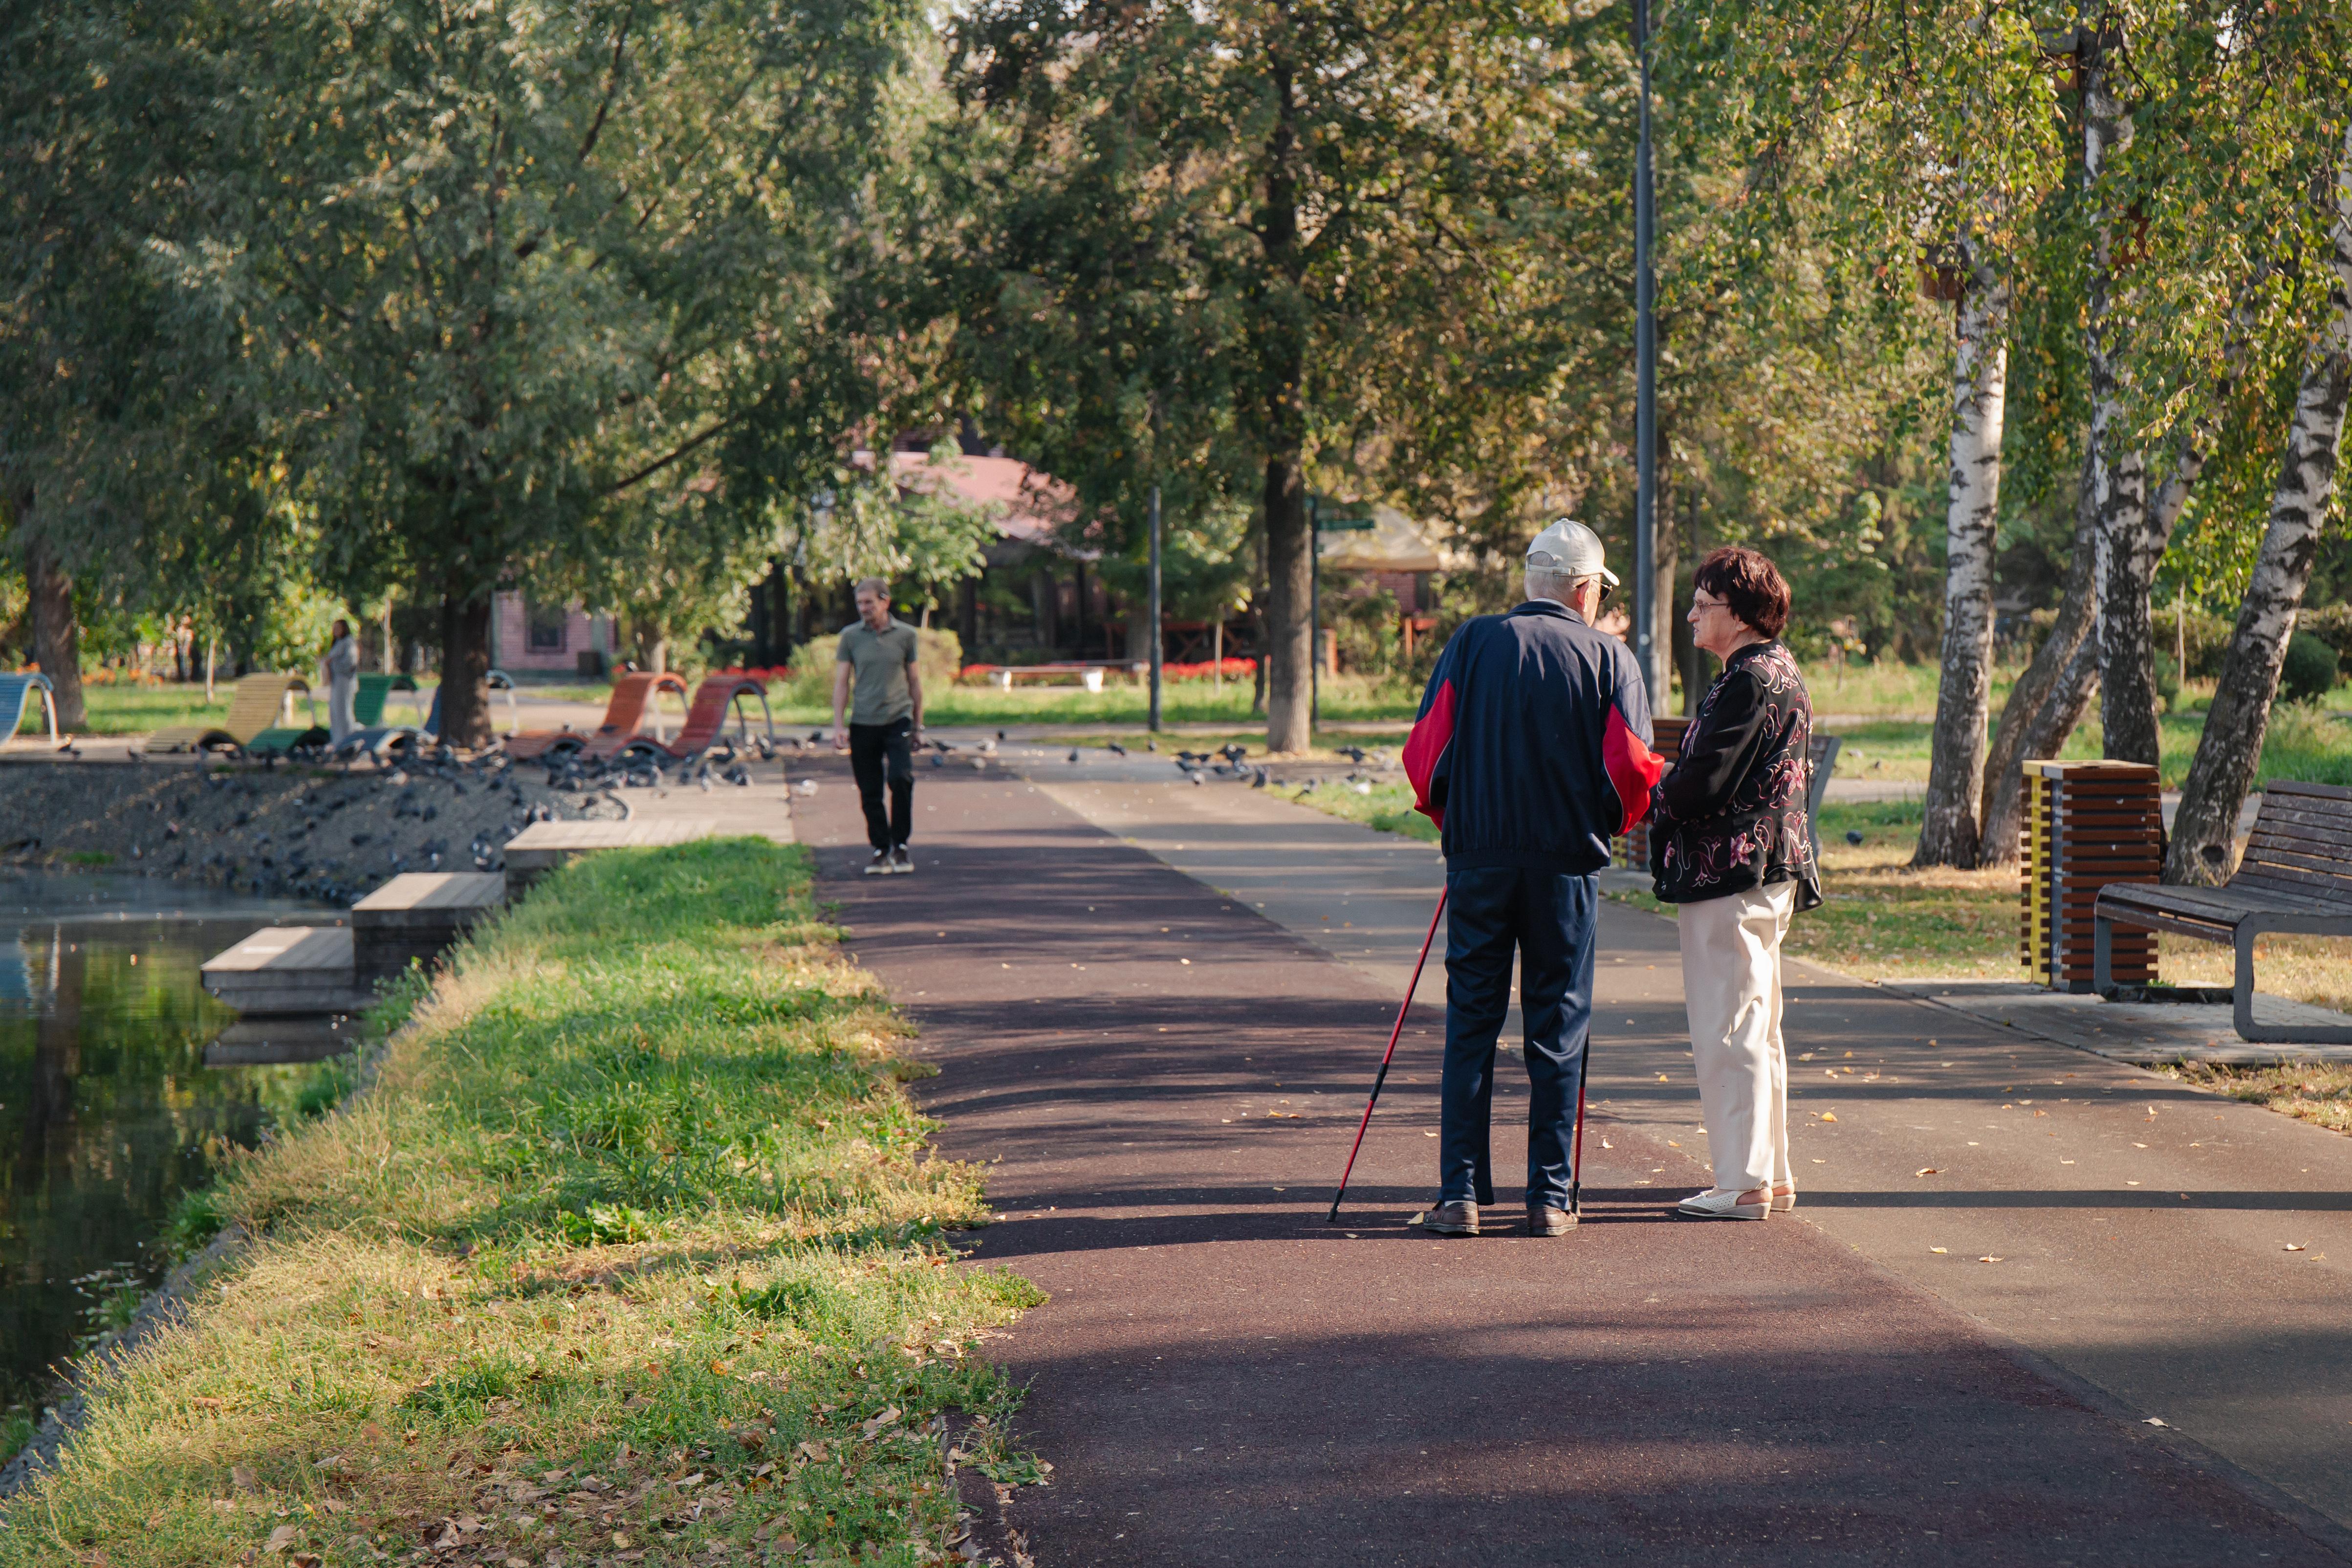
column 2087, row 825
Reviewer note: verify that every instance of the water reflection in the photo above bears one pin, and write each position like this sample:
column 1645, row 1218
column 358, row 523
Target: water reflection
column 107, row 1111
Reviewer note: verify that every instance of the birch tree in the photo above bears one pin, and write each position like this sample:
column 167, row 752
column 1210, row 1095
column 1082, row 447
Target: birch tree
column 2204, row 831
column 1948, row 835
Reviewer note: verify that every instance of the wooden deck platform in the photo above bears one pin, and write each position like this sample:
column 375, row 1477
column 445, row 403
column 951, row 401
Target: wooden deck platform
column 544, row 845
column 289, row 970
column 416, row 915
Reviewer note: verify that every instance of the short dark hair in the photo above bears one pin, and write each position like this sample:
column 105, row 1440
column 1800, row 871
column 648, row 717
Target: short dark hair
column 1749, row 585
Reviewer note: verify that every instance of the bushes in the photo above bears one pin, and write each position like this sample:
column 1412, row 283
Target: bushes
column 2309, row 671
column 939, row 658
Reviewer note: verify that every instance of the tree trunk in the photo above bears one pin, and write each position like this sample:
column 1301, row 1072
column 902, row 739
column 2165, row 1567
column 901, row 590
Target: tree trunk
column 1289, row 569
column 2119, row 469
column 2205, row 831
column 56, row 635
column 1281, row 333
column 465, row 665
column 2030, row 718
column 1964, row 692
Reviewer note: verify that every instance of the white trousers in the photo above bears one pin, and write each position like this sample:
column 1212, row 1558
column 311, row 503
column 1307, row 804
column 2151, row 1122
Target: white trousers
column 1731, row 985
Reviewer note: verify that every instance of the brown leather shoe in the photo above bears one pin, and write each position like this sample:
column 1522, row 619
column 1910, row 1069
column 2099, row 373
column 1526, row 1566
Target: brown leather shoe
column 1545, row 1220
column 1457, row 1218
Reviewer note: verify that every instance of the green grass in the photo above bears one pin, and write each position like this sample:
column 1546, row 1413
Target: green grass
column 634, row 1247
column 1386, row 806
column 2303, row 742
column 1346, row 699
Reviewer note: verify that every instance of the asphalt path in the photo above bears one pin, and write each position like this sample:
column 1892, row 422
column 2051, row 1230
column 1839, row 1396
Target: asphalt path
column 1163, row 1081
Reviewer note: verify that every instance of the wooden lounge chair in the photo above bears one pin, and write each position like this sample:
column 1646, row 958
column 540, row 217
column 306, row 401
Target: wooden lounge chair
column 16, row 695
column 625, row 718
column 706, row 720
column 257, row 704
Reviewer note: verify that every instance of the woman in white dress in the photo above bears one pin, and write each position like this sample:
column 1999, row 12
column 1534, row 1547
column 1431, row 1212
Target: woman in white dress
column 341, row 667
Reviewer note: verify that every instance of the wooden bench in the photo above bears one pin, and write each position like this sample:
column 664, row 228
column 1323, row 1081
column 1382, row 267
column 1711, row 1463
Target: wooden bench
column 2297, row 876
column 417, row 914
column 288, row 971
column 1090, row 676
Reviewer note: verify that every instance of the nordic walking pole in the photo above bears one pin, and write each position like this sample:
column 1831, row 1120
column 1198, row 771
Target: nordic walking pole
column 1414, row 985
column 1576, row 1154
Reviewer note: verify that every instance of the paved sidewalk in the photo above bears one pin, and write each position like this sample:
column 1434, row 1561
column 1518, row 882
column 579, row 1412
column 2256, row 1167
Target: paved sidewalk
column 2142, row 1227
column 1222, row 1378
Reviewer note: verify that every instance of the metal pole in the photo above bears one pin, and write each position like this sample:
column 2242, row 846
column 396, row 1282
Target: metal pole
column 1156, row 638
column 1313, row 616
column 1645, row 392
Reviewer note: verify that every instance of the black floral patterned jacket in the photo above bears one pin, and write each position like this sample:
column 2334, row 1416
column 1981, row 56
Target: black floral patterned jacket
column 1731, row 816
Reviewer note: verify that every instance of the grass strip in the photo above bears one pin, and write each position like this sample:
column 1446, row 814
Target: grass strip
column 632, row 1253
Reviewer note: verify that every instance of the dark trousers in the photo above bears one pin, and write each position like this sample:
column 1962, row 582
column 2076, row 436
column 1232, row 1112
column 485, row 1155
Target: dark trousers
column 877, row 751
column 1548, row 919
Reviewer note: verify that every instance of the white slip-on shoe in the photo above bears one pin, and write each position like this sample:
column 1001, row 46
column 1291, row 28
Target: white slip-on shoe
column 1784, row 1197
column 1714, row 1204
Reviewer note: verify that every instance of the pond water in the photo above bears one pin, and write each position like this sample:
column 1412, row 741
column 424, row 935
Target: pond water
column 108, row 1113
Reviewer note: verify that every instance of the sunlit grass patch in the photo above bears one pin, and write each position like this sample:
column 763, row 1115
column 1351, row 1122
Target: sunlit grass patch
column 635, row 1248
column 2319, row 1091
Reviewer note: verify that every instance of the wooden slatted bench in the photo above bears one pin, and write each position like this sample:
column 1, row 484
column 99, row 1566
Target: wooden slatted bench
column 2297, row 876
column 417, row 914
column 286, row 971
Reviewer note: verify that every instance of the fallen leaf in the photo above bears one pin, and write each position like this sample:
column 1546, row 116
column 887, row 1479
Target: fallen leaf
column 885, row 1419
column 1926, row 1170
column 721, row 1368
column 206, row 1401
column 284, row 1536
column 620, row 1541
column 242, row 1478
column 1939, row 1249
column 1988, row 1258
column 1829, row 1116
column 2294, row 1247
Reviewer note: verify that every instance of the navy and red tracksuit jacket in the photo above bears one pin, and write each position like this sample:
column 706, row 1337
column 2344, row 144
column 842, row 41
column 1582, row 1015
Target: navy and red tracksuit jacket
column 1532, row 748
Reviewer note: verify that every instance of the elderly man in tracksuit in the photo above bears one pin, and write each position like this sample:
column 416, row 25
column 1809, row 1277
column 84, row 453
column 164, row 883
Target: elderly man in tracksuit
column 1532, row 751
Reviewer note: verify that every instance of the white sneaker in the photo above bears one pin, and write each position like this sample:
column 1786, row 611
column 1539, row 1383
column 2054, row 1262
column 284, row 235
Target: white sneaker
column 900, row 862
column 1717, row 1204
column 880, row 864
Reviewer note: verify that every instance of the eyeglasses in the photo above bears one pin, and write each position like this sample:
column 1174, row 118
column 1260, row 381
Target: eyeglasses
column 1699, row 604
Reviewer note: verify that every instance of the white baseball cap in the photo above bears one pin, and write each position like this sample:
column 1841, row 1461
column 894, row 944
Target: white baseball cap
column 1570, row 547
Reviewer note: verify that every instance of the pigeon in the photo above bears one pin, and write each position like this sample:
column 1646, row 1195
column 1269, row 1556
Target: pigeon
column 805, row 786
column 1073, row 753
column 814, row 736
column 1258, row 782
column 703, row 780
column 1150, row 745
column 1000, row 734
column 1854, row 836
column 1353, row 753
column 1233, row 755
column 1200, row 778
column 938, row 760
column 940, row 746
column 1363, row 786
column 737, row 776
column 1114, row 749
column 989, row 747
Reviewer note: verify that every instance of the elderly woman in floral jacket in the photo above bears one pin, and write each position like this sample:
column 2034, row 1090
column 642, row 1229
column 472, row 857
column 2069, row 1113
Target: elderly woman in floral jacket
column 1730, row 844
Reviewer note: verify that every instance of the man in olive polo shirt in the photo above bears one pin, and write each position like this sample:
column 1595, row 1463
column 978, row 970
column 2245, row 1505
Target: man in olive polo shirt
column 877, row 656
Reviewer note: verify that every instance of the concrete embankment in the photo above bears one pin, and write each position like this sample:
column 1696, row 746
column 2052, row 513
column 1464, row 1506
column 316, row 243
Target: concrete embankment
column 287, row 831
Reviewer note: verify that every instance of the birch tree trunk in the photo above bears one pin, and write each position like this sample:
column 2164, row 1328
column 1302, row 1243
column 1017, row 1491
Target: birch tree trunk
column 2204, row 833
column 2119, row 469
column 2029, row 720
column 1964, row 691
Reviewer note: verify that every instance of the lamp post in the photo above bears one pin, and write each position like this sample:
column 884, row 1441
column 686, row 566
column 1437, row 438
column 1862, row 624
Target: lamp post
column 1646, row 653
column 1157, row 639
